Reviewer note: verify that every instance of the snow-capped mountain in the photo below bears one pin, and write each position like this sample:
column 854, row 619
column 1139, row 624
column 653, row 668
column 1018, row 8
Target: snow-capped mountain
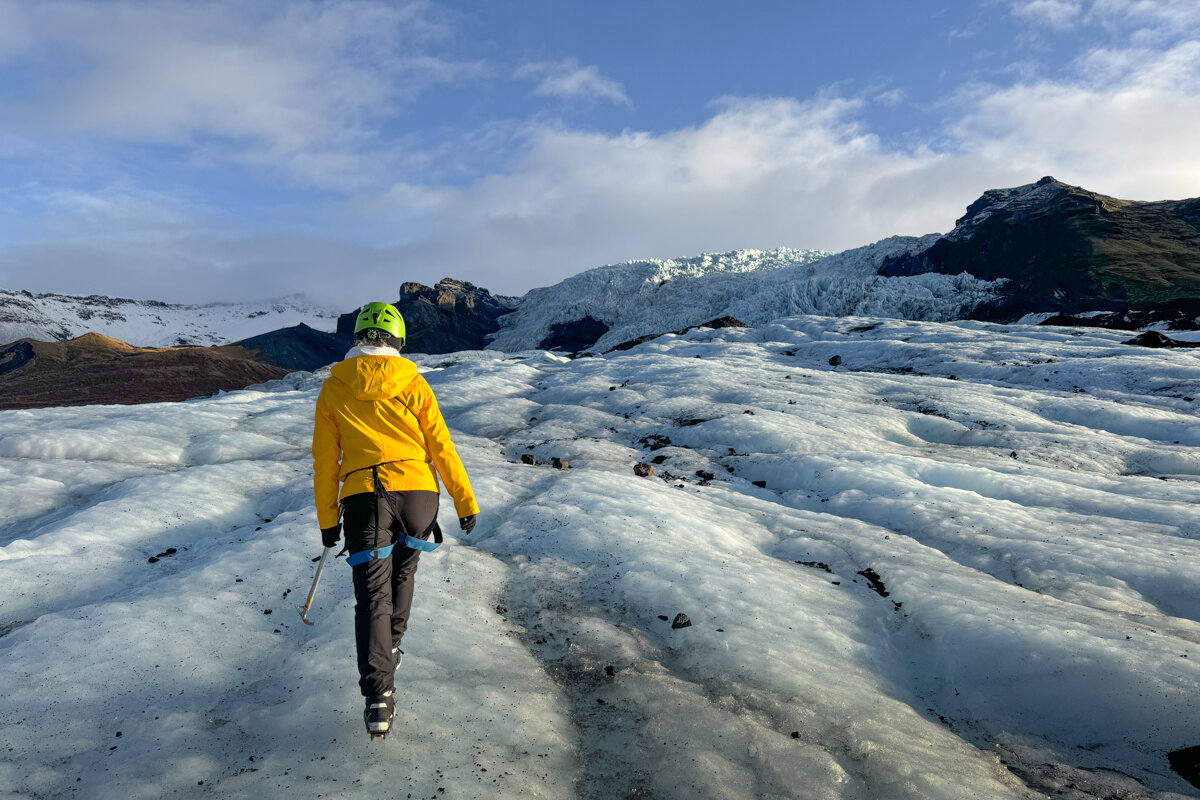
column 1044, row 247
column 643, row 297
column 149, row 323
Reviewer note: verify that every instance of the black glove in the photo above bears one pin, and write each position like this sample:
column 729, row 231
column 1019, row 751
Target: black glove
column 330, row 536
column 467, row 524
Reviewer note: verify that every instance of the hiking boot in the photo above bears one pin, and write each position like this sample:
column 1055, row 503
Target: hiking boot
column 379, row 714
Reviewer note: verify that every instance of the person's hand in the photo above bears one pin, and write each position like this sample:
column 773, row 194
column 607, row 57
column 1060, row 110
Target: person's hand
column 330, row 536
column 467, row 524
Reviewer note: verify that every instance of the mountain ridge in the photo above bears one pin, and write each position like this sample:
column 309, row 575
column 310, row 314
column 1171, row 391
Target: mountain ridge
column 52, row 316
column 1069, row 250
column 1045, row 248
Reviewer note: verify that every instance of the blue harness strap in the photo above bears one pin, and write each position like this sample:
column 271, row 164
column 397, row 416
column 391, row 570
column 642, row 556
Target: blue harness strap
column 363, row 556
column 423, row 545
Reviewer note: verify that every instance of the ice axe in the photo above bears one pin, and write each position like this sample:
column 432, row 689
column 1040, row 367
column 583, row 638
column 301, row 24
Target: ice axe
column 312, row 590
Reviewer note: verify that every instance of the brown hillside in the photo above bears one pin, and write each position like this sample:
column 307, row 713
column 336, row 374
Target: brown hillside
column 96, row 369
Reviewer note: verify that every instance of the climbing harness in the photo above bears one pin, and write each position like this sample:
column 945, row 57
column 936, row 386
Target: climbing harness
column 424, row 545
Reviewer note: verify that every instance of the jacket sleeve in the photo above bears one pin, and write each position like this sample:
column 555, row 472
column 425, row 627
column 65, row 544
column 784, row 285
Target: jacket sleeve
column 441, row 449
column 327, row 461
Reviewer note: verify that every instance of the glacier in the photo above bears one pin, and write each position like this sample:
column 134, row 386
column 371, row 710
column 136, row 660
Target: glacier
column 963, row 563
column 637, row 298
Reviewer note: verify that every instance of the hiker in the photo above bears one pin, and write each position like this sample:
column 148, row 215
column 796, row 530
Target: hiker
column 379, row 434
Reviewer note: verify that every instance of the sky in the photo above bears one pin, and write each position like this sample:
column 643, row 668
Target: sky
column 251, row 149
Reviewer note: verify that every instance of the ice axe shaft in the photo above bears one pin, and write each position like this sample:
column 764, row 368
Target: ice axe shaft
column 312, row 590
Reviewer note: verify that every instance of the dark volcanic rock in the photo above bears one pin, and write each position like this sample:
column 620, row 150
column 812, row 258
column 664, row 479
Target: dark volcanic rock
column 1180, row 315
column 454, row 315
column 15, row 356
column 1066, row 249
column 97, row 369
column 299, row 347
column 719, row 322
column 574, row 336
column 1186, row 763
column 1156, row 339
column 643, row 470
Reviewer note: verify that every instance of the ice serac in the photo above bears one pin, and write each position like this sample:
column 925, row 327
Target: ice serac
column 651, row 297
column 1066, row 249
column 453, row 315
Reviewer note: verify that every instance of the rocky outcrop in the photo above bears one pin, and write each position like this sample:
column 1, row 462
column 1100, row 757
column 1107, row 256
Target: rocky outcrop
column 1180, row 315
column 720, row 322
column 1158, row 339
column 298, row 348
column 454, row 315
column 94, row 369
column 1065, row 249
column 574, row 336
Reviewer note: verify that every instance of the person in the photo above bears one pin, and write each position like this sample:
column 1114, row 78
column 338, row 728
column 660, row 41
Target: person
column 379, row 433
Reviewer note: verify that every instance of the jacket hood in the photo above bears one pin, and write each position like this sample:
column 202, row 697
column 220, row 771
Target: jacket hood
column 374, row 377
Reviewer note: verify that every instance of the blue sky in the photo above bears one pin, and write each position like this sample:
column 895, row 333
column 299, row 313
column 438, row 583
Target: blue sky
column 203, row 151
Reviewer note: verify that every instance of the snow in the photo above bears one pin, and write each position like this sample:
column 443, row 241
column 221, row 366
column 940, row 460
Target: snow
column 147, row 323
column 1026, row 497
column 755, row 286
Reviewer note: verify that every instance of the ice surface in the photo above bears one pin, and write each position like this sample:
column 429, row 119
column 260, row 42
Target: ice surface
column 972, row 570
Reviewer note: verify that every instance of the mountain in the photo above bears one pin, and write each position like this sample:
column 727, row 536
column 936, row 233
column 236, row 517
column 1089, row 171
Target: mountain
column 453, row 315
column 96, row 369
column 298, row 348
column 149, row 323
column 1068, row 250
column 1046, row 247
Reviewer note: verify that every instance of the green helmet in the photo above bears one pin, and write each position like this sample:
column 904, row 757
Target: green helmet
column 382, row 317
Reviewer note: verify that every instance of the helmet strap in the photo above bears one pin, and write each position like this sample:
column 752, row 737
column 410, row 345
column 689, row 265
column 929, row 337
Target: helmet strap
column 379, row 337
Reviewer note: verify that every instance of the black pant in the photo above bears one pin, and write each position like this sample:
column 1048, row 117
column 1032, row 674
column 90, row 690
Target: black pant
column 383, row 587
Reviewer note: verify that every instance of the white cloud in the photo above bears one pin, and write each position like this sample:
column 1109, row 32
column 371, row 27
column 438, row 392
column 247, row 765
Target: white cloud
column 300, row 86
column 569, row 80
column 118, row 212
column 1175, row 13
column 15, row 35
column 758, row 173
column 1133, row 136
column 1055, row 13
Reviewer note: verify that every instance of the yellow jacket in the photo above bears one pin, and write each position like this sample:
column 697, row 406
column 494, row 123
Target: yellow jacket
column 376, row 409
